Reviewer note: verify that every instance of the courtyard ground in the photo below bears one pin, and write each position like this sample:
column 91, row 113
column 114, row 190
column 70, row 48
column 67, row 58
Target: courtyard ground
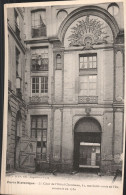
column 72, row 176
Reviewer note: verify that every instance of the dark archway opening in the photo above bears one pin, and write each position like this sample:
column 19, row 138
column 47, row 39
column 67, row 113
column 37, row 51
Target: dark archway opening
column 87, row 145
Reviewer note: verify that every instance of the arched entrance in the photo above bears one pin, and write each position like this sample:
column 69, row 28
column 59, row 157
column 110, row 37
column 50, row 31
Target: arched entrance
column 87, row 143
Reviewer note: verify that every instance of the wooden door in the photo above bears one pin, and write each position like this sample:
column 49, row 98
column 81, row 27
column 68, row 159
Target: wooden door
column 28, row 154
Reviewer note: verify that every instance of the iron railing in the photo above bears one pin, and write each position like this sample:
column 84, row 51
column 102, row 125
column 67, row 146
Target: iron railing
column 88, row 99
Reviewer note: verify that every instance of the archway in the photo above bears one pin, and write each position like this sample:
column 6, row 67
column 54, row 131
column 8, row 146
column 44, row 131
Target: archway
column 87, row 144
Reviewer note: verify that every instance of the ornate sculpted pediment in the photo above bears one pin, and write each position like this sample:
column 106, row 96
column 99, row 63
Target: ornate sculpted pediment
column 88, row 31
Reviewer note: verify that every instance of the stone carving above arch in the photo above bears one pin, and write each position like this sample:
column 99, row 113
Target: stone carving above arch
column 88, row 31
column 87, row 13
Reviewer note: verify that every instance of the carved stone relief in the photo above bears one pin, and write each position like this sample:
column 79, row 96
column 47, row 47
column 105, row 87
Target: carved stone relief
column 88, row 31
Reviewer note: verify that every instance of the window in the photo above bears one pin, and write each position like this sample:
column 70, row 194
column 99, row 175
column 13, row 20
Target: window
column 18, row 73
column 39, row 85
column 88, row 62
column 38, row 23
column 17, row 62
column 39, row 131
column 17, row 29
column 40, row 59
column 88, row 85
column 88, row 78
column 58, row 62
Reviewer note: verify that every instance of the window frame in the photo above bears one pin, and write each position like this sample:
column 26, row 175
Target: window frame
column 87, row 72
column 40, row 131
column 39, row 94
column 89, row 90
column 88, row 55
column 39, row 26
column 45, row 67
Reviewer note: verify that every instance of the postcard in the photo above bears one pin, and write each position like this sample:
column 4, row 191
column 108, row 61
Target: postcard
column 64, row 98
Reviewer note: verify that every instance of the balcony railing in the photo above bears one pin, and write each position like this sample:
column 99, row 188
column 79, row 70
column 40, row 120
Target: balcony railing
column 38, row 100
column 38, row 31
column 88, row 99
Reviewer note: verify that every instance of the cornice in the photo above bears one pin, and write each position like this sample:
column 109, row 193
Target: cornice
column 95, row 47
column 118, row 105
column 33, row 41
column 43, row 40
column 73, row 106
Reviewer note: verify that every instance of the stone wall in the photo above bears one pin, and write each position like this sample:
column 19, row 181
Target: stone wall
column 15, row 105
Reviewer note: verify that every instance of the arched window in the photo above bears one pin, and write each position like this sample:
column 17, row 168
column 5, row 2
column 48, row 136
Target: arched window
column 58, row 62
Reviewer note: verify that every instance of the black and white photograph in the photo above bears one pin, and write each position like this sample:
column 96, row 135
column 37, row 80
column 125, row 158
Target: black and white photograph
column 64, row 98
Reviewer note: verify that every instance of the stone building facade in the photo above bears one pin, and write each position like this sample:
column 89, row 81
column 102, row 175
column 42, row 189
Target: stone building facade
column 73, row 88
column 16, row 86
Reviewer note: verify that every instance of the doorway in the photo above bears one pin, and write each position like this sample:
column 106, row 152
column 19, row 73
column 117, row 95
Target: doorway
column 87, row 144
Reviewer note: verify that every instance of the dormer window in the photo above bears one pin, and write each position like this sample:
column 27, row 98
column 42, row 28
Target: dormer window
column 38, row 23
